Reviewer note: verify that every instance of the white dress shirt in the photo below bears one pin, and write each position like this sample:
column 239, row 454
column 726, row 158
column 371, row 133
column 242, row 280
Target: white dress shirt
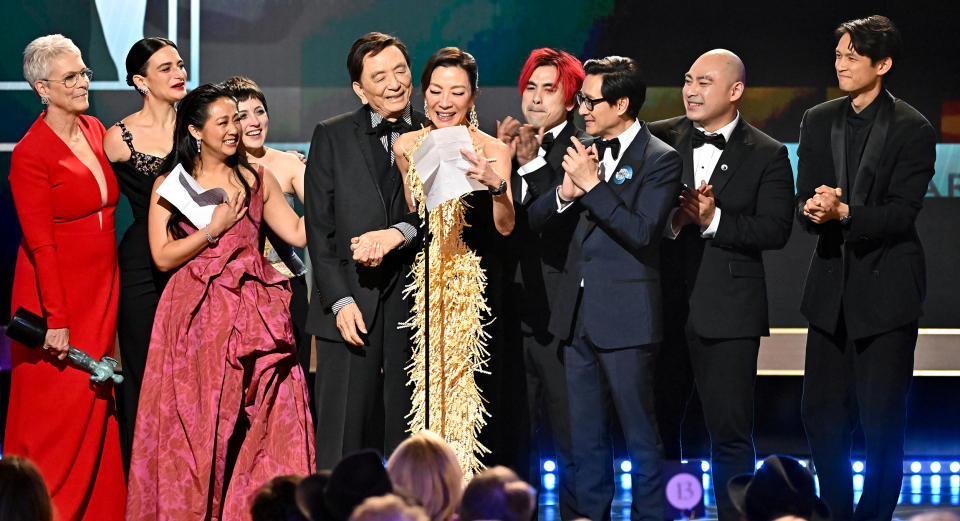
column 704, row 162
column 539, row 161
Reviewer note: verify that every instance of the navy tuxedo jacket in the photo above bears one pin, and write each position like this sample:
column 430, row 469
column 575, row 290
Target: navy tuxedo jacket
column 873, row 268
column 614, row 248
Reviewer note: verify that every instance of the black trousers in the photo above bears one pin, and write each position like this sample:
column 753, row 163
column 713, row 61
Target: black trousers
column 361, row 393
column 863, row 381
column 596, row 378
column 724, row 373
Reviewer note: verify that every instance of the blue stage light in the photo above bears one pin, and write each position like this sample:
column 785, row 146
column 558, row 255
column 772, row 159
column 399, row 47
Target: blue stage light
column 549, row 465
column 626, row 482
column 858, row 466
column 916, row 483
column 954, row 481
column 626, row 466
column 802, row 462
column 935, row 483
column 955, row 467
column 759, row 464
column 705, row 465
column 916, row 467
column 684, row 461
column 935, row 467
column 858, row 482
column 550, row 481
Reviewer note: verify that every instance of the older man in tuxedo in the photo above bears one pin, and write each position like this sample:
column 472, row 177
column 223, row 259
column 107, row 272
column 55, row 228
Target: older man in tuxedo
column 353, row 196
column 614, row 198
column 740, row 203
column 549, row 82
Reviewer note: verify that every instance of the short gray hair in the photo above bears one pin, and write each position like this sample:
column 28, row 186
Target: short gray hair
column 37, row 55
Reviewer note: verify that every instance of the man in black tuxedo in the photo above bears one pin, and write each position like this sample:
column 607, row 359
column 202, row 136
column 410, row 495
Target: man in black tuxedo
column 615, row 196
column 865, row 161
column 548, row 84
column 353, row 195
column 714, row 292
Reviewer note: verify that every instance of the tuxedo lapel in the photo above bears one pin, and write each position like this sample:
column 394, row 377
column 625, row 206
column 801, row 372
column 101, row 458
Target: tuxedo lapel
column 838, row 144
column 872, row 151
column 632, row 159
column 361, row 122
column 739, row 147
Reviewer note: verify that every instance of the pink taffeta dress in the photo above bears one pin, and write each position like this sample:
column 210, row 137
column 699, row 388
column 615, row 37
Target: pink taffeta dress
column 222, row 359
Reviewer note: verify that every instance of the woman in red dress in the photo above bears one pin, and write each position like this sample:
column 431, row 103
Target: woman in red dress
column 65, row 194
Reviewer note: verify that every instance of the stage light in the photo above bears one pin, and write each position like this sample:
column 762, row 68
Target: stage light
column 858, row 466
column 802, row 462
column 916, row 483
column 759, row 464
column 955, row 467
column 858, row 482
column 549, row 465
column 549, row 481
column 684, row 461
column 626, row 482
column 935, row 483
column 915, row 467
column 954, row 481
column 626, row 466
column 705, row 465
column 935, row 467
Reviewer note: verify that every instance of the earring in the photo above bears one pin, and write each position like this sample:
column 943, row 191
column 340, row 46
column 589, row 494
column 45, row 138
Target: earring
column 426, row 111
column 472, row 118
column 143, row 90
column 198, row 145
column 45, row 100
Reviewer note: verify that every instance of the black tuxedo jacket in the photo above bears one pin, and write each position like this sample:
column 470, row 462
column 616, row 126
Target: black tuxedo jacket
column 874, row 267
column 614, row 248
column 722, row 278
column 343, row 199
column 534, row 260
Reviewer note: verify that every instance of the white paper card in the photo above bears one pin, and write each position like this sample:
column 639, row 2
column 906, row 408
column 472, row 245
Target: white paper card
column 442, row 168
column 183, row 192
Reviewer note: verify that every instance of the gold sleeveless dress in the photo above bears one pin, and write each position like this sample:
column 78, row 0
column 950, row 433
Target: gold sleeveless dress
column 457, row 338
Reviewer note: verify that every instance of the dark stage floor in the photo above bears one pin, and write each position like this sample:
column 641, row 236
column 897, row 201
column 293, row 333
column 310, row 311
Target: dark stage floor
column 923, row 490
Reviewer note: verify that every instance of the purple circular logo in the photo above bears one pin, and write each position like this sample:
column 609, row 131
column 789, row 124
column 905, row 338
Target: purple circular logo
column 684, row 491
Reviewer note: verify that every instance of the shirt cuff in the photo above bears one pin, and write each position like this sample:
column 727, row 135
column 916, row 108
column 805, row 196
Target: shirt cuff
column 561, row 206
column 408, row 230
column 669, row 232
column 711, row 230
column 340, row 304
column 537, row 163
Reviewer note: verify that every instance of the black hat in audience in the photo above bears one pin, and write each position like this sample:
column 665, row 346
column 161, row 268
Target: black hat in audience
column 356, row 477
column 781, row 487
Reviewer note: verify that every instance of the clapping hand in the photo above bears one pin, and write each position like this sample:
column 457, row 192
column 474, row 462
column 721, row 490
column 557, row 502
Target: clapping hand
column 581, row 165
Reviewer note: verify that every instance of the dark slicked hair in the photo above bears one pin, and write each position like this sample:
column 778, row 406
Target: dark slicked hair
column 243, row 88
column 371, row 43
column 621, row 79
column 139, row 55
column 874, row 36
column 450, row 57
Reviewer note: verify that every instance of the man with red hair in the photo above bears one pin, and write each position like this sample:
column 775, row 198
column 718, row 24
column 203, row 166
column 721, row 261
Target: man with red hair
column 548, row 82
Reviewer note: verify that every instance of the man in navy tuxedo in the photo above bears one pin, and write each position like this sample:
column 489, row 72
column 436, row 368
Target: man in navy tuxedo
column 616, row 193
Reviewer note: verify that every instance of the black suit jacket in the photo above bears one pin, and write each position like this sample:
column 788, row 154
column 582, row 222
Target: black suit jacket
column 874, row 267
column 722, row 278
column 614, row 248
column 343, row 199
column 535, row 260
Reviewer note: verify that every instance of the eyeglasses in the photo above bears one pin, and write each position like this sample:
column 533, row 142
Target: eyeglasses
column 588, row 102
column 73, row 79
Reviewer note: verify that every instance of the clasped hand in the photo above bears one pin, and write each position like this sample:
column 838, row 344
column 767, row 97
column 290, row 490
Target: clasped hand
column 581, row 167
column 825, row 205
column 696, row 206
column 369, row 248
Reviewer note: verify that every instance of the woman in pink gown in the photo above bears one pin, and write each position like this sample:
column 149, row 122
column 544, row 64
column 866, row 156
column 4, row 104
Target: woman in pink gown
column 223, row 407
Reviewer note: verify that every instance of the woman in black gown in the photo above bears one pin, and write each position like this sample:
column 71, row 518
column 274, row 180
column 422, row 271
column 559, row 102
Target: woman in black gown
column 136, row 146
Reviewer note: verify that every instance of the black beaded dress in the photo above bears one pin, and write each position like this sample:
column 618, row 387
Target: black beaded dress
column 141, row 284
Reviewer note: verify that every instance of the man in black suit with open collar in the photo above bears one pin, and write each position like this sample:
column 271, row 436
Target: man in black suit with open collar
column 549, row 82
column 866, row 160
column 615, row 197
column 353, row 194
column 740, row 203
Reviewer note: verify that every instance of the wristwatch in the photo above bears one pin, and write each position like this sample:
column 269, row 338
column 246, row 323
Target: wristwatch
column 502, row 189
column 845, row 220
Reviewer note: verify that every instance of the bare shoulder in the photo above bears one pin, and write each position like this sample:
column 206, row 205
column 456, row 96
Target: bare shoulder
column 493, row 147
column 113, row 145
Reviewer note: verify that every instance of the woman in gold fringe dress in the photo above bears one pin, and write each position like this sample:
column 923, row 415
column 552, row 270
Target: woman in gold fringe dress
column 458, row 307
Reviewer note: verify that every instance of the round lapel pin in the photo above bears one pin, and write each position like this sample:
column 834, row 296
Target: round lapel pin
column 623, row 174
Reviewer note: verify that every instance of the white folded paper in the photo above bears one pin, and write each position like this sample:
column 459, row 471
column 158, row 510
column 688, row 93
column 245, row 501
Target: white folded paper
column 183, row 192
column 442, row 168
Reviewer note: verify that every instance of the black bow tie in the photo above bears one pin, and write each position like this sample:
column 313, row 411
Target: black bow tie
column 547, row 142
column 700, row 139
column 612, row 144
column 388, row 127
